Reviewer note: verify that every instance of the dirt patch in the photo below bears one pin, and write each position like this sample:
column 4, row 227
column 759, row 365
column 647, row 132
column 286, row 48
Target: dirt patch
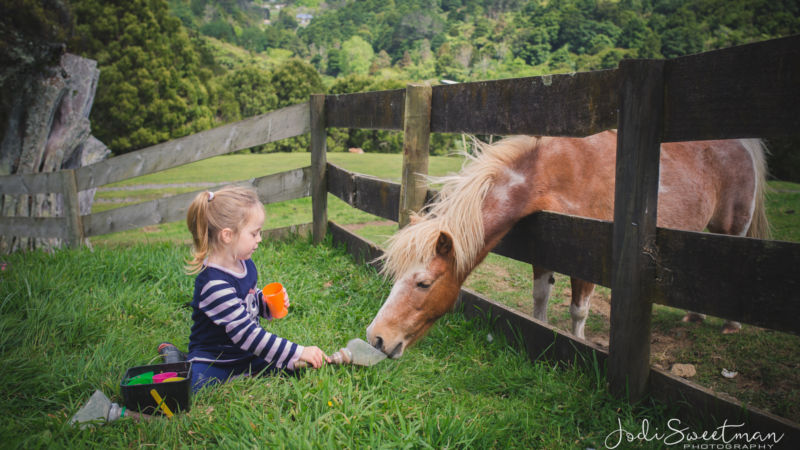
column 766, row 362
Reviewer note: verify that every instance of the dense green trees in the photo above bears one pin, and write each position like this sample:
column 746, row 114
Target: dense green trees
column 153, row 86
column 162, row 76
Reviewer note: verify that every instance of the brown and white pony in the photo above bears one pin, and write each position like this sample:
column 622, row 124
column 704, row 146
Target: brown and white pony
column 716, row 185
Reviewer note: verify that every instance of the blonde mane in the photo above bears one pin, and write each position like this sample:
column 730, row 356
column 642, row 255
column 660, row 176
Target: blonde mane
column 456, row 210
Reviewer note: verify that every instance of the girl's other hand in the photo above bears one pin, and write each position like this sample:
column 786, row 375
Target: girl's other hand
column 314, row 356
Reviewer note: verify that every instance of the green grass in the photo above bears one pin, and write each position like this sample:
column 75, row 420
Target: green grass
column 75, row 320
column 783, row 208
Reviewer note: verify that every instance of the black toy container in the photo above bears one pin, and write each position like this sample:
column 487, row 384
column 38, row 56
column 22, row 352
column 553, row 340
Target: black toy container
column 177, row 395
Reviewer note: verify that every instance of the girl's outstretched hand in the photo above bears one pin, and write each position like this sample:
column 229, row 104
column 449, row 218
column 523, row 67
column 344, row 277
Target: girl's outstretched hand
column 314, row 356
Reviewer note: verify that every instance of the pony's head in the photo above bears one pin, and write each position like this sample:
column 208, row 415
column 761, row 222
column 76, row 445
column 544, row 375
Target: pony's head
column 431, row 257
column 420, row 295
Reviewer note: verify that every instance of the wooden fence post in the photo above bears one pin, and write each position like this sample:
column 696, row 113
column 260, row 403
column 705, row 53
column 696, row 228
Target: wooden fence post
column 72, row 208
column 416, row 146
column 319, row 160
column 635, row 202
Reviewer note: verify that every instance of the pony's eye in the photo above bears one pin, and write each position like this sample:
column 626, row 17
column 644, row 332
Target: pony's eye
column 424, row 284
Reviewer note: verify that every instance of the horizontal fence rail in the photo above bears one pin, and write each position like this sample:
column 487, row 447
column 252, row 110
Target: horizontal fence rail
column 37, row 227
column 276, row 125
column 31, row 183
column 271, row 189
column 370, row 194
column 747, row 91
column 273, row 126
column 578, row 104
column 370, row 110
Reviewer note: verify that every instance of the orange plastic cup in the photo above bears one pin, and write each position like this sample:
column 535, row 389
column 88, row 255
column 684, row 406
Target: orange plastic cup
column 275, row 297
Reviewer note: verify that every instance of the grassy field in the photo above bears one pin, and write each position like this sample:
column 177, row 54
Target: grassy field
column 74, row 321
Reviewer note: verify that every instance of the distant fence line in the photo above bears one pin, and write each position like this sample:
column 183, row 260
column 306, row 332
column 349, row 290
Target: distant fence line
column 746, row 91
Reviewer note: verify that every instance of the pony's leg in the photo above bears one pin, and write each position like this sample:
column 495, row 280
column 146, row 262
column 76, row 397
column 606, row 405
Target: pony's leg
column 579, row 309
column 542, row 283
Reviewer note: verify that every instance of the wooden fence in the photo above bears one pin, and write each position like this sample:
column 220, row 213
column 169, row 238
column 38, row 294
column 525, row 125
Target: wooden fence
column 747, row 91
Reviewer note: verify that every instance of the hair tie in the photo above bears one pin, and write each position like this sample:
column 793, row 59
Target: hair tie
column 210, row 196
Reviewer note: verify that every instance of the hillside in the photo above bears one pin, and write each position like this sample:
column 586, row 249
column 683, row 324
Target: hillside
column 467, row 40
column 175, row 67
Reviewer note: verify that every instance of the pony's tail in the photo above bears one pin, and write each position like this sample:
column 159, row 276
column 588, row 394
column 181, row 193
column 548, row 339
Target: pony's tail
column 759, row 225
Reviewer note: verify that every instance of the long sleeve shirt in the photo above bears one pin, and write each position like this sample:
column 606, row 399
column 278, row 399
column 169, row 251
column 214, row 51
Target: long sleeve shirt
column 226, row 307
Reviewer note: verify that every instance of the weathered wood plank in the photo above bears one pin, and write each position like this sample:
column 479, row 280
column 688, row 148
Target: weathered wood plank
column 37, row 227
column 342, row 184
column 273, row 126
column 371, row 110
column 283, row 233
column 634, row 233
column 577, row 104
column 416, row 140
column 271, row 189
column 362, row 250
column 566, row 244
column 283, row 186
column 72, row 208
column 370, row 194
column 30, row 183
column 539, row 339
column 747, row 91
column 319, row 158
column 743, row 279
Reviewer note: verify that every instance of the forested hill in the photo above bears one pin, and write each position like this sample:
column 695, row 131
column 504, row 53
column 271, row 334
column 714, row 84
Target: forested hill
column 175, row 67
column 480, row 39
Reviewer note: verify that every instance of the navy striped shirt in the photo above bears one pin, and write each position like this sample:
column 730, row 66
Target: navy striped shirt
column 225, row 310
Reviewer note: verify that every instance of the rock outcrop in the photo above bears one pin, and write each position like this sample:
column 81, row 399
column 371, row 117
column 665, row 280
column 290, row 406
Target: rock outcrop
column 47, row 129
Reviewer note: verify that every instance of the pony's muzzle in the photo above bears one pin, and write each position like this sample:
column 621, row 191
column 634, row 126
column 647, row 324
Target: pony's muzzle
column 391, row 349
column 394, row 352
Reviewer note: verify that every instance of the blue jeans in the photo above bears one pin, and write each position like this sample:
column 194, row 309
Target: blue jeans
column 204, row 373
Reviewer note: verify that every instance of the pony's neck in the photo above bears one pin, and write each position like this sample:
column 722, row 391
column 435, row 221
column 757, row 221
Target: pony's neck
column 507, row 201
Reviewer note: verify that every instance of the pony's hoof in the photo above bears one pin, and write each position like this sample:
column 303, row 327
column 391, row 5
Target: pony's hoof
column 693, row 317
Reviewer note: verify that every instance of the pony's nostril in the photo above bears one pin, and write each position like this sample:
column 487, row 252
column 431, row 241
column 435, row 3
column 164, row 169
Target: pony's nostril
column 378, row 343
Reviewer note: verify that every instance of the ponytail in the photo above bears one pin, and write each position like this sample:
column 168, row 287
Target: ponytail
column 209, row 213
column 197, row 222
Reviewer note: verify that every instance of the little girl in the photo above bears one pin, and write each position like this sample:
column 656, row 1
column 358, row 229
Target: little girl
column 226, row 338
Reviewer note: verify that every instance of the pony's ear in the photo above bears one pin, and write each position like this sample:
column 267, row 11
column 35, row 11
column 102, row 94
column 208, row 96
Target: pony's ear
column 444, row 245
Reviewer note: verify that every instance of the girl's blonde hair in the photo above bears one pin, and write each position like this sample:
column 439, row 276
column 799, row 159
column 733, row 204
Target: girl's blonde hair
column 210, row 213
